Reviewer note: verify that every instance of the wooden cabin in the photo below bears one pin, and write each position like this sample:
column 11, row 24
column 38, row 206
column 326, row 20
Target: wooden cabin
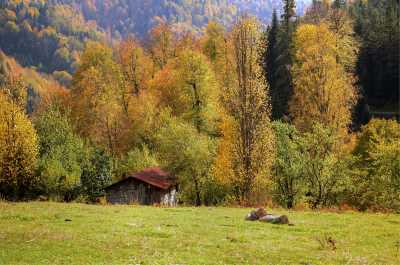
column 147, row 187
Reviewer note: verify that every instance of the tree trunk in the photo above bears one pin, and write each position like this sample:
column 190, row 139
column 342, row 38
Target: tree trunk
column 197, row 191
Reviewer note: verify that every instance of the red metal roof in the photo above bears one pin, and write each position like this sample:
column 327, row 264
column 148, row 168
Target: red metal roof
column 153, row 176
column 156, row 177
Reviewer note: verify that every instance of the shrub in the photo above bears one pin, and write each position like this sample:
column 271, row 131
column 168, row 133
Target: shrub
column 60, row 153
column 187, row 154
column 287, row 168
column 377, row 184
column 96, row 173
column 325, row 167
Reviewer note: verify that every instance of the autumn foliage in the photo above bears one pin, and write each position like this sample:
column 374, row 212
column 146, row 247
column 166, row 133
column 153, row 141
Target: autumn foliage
column 239, row 115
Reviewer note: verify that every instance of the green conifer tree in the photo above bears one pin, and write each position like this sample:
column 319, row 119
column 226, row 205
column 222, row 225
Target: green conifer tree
column 283, row 86
column 270, row 63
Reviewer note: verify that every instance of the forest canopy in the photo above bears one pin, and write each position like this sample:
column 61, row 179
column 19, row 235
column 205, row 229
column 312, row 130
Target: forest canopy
column 293, row 114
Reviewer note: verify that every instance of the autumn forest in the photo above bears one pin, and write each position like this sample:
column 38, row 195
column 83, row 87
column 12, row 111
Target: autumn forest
column 246, row 105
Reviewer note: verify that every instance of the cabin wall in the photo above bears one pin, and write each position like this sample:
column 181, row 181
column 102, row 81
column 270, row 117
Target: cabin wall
column 126, row 193
column 134, row 191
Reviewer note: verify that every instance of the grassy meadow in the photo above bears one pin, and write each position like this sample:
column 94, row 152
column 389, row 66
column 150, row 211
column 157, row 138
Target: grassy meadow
column 54, row 233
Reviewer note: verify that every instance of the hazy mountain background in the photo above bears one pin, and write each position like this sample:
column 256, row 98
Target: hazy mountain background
column 120, row 17
column 43, row 40
column 49, row 35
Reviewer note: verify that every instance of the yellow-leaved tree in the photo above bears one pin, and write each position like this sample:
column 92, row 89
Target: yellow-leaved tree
column 336, row 16
column 248, row 138
column 323, row 91
column 188, row 86
column 18, row 149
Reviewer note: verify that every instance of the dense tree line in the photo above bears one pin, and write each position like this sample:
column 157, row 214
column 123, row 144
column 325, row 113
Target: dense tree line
column 238, row 121
column 376, row 24
column 367, row 37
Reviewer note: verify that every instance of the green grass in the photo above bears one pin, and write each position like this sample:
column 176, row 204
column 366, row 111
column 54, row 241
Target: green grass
column 38, row 233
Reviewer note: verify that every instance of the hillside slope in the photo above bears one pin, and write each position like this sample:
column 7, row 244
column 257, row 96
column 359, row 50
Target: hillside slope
column 122, row 17
column 50, row 35
column 39, row 86
column 45, row 35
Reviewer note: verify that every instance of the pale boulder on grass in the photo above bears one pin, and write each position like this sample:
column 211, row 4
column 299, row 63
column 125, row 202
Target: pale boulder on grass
column 261, row 215
column 256, row 214
column 273, row 219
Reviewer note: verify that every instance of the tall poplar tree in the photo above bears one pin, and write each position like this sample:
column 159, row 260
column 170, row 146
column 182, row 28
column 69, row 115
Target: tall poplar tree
column 245, row 102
